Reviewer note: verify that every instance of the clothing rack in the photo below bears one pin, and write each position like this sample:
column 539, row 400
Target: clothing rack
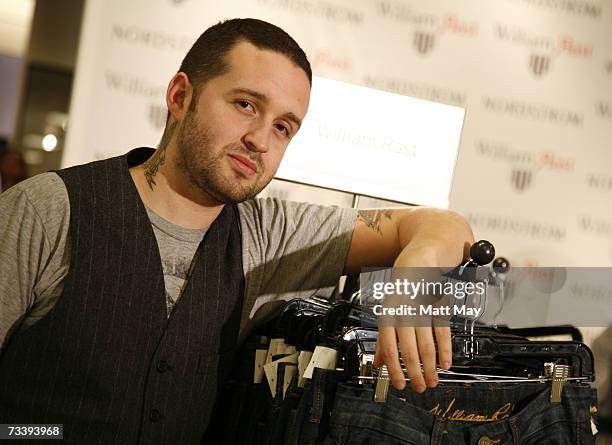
column 308, row 377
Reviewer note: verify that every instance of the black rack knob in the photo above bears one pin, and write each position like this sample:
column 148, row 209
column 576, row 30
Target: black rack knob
column 482, row 252
column 501, row 265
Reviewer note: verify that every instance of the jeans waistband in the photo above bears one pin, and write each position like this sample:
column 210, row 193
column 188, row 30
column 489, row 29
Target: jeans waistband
column 463, row 410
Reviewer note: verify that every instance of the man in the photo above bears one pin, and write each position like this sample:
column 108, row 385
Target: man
column 89, row 340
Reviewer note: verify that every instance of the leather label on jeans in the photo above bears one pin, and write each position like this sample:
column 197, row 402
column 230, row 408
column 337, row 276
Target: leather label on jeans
column 271, row 371
column 451, row 412
column 485, row 440
column 260, row 361
column 303, row 361
column 276, row 344
column 322, row 357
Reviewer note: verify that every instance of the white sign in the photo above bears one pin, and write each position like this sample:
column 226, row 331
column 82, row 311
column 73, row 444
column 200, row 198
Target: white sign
column 371, row 142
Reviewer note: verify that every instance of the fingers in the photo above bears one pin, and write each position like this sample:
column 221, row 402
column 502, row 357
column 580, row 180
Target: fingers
column 445, row 347
column 386, row 350
column 427, row 353
column 378, row 358
column 417, row 347
column 410, row 357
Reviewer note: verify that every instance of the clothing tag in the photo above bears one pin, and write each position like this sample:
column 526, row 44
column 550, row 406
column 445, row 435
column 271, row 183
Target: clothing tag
column 275, row 344
column 287, row 349
column 322, row 357
column 290, row 373
column 260, row 361
column 271, row 371
column 303, row 360
column 293, row 358
column 593, row 427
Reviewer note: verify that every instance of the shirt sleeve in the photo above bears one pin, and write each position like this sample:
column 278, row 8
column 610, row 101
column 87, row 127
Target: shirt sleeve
column 291, row 250
column 34, row 219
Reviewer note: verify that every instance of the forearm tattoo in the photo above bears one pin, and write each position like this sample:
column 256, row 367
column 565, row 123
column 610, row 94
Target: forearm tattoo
column 373, row 218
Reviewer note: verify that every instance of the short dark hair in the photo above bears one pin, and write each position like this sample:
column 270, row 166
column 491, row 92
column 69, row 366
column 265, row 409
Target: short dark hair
column 206, row 58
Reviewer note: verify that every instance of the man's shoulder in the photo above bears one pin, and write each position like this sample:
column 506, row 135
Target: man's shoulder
column 275, row 208
column 46, row 192
column 277, row 214
column 270, row 203
column 44, row 185
column 40, row 182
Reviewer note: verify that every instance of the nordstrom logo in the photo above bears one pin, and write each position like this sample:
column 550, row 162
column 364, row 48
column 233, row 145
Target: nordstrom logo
column 573, row 7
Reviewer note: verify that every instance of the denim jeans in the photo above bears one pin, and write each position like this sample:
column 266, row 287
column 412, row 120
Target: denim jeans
column 284, row 422
column 313, row 411
column 479, row 414
column 270, row 418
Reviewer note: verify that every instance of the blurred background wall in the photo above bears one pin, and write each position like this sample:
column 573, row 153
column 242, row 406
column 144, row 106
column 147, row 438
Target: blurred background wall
column 534, row 173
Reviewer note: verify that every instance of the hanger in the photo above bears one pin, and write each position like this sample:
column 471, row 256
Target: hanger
column 292, row 312
column 359, row 358
column 481, row 353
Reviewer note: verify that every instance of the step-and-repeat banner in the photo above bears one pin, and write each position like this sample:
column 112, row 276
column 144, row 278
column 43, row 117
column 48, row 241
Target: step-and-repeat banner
column 534, row 169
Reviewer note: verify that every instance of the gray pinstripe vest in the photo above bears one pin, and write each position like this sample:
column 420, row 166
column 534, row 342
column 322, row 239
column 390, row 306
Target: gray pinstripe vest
column 106, row 361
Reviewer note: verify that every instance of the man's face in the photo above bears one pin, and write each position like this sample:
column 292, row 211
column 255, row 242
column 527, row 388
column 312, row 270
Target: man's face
column 231, row 145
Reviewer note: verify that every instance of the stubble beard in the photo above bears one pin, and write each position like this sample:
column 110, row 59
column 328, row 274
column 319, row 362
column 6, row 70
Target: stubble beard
column 203, row 167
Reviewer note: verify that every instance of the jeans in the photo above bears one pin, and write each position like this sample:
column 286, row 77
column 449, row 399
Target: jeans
column 313, row 411
column 479, row 414
column 286, row 410
column 268, row 421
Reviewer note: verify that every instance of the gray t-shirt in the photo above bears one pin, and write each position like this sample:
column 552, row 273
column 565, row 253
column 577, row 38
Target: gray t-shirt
column 177, row 246
column 289, row 250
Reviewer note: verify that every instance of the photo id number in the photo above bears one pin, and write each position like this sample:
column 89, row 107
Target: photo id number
column 31, row 431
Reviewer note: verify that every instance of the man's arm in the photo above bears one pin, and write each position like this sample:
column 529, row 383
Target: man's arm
column 34, row 217
column 412, row 237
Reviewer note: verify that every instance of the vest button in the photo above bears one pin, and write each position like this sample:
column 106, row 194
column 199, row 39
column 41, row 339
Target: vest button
column 155, row 415
column 162, row 366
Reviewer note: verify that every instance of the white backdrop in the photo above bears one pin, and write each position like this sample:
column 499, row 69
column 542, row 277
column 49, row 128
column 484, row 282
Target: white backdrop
column 534, row 173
